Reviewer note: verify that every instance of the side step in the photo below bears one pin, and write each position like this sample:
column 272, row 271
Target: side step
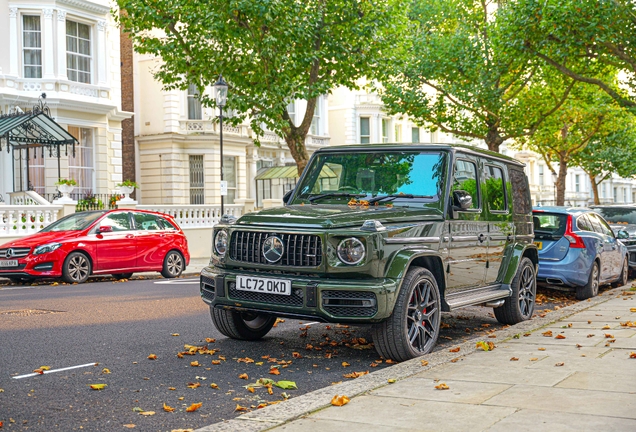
column 478, row 296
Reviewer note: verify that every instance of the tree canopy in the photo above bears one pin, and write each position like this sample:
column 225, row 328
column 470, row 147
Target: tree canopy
column 462, row 77
column 579, row 39
column 271, row 52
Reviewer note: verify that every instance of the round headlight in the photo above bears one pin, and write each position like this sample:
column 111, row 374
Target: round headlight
column 220, row 242
column 351, row 251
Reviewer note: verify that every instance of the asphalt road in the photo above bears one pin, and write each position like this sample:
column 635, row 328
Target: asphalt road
column 107, row 326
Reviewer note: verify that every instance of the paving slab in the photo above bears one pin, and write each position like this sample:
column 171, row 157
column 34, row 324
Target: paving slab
column 416, row 415
column 618, row 381
column 545, row 421
column 312, row 424
column 459, row 391
column 564, row 400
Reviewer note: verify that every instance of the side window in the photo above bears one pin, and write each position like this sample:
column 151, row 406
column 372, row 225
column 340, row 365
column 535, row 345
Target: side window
column 465, row 178
column 118, row 221
column 146, row 222
column 605, row 228
column 520, row 192
column 495, row 189
column 583, row 223
column 165, row 224
column 595, row 222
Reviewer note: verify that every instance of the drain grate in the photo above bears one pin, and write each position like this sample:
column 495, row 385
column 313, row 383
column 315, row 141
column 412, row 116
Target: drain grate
column 29, row 312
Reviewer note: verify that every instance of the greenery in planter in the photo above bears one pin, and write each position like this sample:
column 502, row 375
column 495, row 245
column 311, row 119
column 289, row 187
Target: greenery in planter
column 113, row 200
column 69, row 182
column 128, row 183
column 89, row 202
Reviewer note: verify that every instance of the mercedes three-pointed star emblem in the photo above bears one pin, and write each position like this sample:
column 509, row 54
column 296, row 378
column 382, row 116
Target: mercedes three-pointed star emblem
column 9, row 253
column 273, row 249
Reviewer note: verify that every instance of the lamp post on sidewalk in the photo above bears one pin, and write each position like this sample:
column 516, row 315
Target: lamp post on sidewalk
column 221, row 98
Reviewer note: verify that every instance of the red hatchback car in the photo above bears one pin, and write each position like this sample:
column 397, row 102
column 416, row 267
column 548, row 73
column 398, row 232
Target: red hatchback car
column 117, row 242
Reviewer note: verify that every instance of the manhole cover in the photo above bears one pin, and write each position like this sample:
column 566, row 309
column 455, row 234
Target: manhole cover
column 29, row 312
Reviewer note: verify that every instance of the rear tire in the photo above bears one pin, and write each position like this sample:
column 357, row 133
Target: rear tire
column 413, row 327
column 622, row 280
column 76, row 268
column 591, row 288
column 242, row 325
column 173, row 265
column 520, row 306
column 122, row 275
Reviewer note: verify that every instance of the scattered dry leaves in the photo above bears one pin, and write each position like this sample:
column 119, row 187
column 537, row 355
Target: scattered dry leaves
column 442, row 386
column 559, row 336
column 454, row 350
column 339, row 400
column 167, row 408
column 194, row 385
column 194, row 407
column 243, row 376
column 152, row 357
column 547, row 333
column 98, row 386
column 514, row 359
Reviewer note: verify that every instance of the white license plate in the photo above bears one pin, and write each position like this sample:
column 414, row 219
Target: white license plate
column 9, row 263
column 263, row 285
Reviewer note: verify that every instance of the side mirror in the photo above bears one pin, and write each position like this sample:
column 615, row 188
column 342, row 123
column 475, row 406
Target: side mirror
column 287, row 196
column 622, row 234
column 104, row 229
column 462, row 200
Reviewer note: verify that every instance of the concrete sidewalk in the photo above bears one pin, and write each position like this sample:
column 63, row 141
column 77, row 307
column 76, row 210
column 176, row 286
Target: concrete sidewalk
column 568, row 371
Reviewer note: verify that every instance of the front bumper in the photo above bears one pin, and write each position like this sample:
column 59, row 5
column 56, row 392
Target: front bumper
column 48, row 265
column 320, row 299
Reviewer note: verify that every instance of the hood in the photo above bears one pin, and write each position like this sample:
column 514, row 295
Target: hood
column 41, row 238
column 335, row 216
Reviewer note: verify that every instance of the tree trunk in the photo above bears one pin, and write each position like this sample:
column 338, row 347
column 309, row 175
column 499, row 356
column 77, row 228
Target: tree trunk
column 597, row 200
column 296, row 143
column 493, row 139
column 563, row 172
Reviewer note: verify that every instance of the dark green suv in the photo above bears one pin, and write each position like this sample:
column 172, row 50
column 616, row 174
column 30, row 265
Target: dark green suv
column 386, row 235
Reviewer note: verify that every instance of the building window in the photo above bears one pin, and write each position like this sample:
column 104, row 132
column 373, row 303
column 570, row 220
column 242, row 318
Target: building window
column 229, row 175
column 604, row 191
column 541, row 177
column 291, row 111
column 197, row 180
column 32, row 46
column 577, row 183
column 194, row 103
column 315, row 121
column 624, row 195
column 365, row 130
column 80, row 166
column 615, row 194
column 398, row 133
column 415, row 135
column 385, row 130
column 78, row 52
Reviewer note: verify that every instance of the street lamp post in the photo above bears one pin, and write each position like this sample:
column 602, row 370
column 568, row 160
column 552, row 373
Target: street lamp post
column 221, row 98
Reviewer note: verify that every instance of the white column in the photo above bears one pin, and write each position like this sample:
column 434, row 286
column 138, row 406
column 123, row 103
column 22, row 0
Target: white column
column 101, row 53
column 14, row 37
column 61, row 44
column 47, row 45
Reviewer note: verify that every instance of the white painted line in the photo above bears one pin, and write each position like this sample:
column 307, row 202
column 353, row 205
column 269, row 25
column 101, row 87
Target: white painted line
column 179, row 281
column 315, row 322
column 55, row 370
column 20, row 287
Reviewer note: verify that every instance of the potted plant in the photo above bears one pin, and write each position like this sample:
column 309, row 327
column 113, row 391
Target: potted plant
column 66, row 186
column 127, row 187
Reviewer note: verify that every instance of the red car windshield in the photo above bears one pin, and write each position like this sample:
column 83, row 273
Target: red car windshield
column 74, row 222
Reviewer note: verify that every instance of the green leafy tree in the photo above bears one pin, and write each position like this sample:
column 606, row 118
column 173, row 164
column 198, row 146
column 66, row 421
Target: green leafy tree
column 579, row 39
column 612, row 153
column 461, row 77
column 271, row 52
column 587, row 115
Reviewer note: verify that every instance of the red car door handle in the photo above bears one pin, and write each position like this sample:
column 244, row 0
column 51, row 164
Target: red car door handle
column 130, row 236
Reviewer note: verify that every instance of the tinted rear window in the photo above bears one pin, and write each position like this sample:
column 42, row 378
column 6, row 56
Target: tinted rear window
column 549, row 224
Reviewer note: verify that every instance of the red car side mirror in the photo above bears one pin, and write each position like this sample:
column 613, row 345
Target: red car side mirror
column 104, row 229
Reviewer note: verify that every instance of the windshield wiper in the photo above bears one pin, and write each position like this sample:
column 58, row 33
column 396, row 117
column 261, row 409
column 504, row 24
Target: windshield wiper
column 391, row 197
column 335, row 194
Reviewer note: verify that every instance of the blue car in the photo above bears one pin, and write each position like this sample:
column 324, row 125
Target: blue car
column 578, row 249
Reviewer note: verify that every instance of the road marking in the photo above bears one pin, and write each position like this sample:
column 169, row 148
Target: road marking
column 19, row 287
column 54, row 370
column 179, row 281
column 315, row 322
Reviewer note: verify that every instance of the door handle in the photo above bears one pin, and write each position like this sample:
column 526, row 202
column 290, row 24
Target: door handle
column 481, row 238
column 130, row 236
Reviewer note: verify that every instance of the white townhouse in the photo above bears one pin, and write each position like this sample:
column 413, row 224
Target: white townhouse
column 69, row 51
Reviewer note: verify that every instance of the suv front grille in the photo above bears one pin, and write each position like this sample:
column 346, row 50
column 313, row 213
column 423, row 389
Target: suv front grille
column 17, row 252
column 290, row 300
column 301, row 250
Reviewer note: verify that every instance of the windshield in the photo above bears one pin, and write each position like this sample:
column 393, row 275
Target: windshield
column 617, row 215
column 400, row 178
column 74, row 222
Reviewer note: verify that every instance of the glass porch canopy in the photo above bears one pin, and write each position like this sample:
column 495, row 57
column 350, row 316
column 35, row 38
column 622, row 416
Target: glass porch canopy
column 32, row 130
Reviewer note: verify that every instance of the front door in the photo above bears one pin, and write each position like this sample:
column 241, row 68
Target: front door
column 116, row 249
column 610, row 252
column 467, row 231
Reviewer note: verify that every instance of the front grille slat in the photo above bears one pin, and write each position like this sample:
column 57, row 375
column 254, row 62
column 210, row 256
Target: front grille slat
column 16, row 252
column 301, row 250
column 290, row 300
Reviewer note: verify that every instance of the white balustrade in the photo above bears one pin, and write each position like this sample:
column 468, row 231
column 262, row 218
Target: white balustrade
column 196, row 216
column 20, row 220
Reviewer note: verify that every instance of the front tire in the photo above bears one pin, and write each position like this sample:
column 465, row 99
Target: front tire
column 413, row 327
column 591, row 288
column 173, row 265
column 242, row 325
column 622, row 280
column 520, row 306
column 76, row 268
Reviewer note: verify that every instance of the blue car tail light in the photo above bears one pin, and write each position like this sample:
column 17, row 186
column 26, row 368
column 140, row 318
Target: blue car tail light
column 576, row 242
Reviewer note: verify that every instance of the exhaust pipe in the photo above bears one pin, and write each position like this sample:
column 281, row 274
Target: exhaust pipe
column 553, row 281
column 495, row 303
